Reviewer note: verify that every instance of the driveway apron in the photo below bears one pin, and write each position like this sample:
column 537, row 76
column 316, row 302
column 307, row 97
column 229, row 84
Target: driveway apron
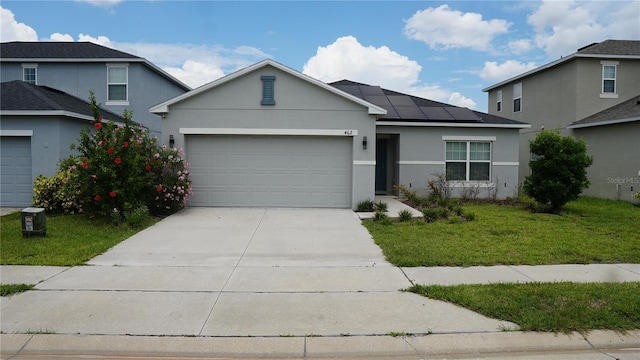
column 239, row 272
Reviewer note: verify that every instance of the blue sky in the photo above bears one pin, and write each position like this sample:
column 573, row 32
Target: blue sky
column 442, row 50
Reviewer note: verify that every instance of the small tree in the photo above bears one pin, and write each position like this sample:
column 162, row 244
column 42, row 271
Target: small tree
column 558, row 171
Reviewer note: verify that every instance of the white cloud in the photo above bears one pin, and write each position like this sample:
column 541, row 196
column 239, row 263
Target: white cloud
column 564, row 26
column 449, row 29
column 346, row 58
column 194, row 73
column 459, row 100
column 60, row 37
column 11, row 30
column 520, row 46
column 493, row 71
column 100, row 40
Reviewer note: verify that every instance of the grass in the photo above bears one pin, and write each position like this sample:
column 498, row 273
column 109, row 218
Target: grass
column 12, row 289
column 71, row 240
column 553, row 307
column 588, row 231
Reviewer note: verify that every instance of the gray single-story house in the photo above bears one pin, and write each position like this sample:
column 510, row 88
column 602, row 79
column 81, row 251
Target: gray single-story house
column 38, row 125
column 268, row 135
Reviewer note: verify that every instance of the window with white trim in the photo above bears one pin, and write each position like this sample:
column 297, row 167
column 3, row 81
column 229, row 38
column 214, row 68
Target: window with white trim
column 117, row 83
column 30, row 73
column 499, row 100
column 468, row 160
column 609, row 79
column 517, row 97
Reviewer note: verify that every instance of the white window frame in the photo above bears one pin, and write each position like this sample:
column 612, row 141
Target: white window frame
column 614, row 94
column 517, row 95
column 126, row 84
column 30, row 66
column 468, row 140
column 499, row 101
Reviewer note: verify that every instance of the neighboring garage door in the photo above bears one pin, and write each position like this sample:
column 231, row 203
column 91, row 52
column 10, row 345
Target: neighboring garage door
column 15, row 171
column 270, row 171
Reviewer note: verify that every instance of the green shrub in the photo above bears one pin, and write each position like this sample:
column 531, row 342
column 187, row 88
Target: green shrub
column 381, row 206
column 443, row 213
column 379, row 216
column 458, row 211
column 405, row 215
column 469, row 216
column 430, row 215
column 56, row 194
column 365, row 206
column 137, row 217
column 121, row 169
column 559, row 169
column 411, row 195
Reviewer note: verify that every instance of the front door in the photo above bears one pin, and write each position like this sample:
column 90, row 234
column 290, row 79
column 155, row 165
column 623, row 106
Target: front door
column 381, row 166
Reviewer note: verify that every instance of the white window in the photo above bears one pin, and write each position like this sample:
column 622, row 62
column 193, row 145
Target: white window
column 609, row 75
column 30, row 73
column 468, row 160
column 517, row 97
column 117, row 83
column 499, row 100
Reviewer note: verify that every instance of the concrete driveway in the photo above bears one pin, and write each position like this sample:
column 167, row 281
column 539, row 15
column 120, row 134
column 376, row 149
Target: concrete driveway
column 239, row 272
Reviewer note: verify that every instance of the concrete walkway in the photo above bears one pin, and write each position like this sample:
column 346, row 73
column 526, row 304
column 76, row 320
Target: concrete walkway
column 279, row 283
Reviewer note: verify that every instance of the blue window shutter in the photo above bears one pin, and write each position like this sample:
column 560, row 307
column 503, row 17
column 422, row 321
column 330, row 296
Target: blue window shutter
column 268, row 93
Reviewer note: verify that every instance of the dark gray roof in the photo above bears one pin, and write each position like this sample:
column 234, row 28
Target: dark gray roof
column 612, row 47
column 623, row 112
column 409, row 108
column 60, row 50
column 20, row 96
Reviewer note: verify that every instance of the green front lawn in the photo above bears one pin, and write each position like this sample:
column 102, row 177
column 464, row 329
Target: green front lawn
column 557, row 307
column 71, row 240
column 588, row 231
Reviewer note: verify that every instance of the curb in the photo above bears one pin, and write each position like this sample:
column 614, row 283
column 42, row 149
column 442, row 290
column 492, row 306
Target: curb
column 464, row 344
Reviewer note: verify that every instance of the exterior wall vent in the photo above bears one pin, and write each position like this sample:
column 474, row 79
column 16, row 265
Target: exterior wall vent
column 268, row 95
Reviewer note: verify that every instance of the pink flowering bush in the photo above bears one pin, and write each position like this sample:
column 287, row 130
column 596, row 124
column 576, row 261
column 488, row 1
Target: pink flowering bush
column 120, row 170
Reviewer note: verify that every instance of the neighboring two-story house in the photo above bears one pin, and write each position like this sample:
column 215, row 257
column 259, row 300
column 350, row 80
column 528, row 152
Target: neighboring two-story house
column 119, row 80
column 591, row 94
column 45, row 86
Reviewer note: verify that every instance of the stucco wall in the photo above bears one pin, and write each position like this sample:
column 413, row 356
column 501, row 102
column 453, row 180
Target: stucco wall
column 615, row 172
column 299, row 105
column 50, row 142
column 422, row 157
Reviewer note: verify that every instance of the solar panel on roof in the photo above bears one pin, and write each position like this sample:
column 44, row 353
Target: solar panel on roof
column 401, row 100
column 391, row 112
column 436, row 113
column 462, row 114
column 410, row 113
column 350, row 89
column 371, row 90
column 379, row 100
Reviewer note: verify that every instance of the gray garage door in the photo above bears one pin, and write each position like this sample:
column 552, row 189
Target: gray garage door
column 15, row 171
column 270, row 171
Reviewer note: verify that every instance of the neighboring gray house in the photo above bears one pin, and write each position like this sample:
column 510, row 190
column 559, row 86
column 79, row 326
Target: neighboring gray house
column 613, row 137
column 119, row 80
column 565, row 93
column 38, row 125
column 268, row 135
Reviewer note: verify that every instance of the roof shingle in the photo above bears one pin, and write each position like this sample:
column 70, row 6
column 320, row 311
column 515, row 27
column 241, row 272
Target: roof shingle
column 60, row 50
column 20, row 96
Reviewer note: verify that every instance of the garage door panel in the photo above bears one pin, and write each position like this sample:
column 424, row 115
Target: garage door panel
column 15, row 166
column 270, row 171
